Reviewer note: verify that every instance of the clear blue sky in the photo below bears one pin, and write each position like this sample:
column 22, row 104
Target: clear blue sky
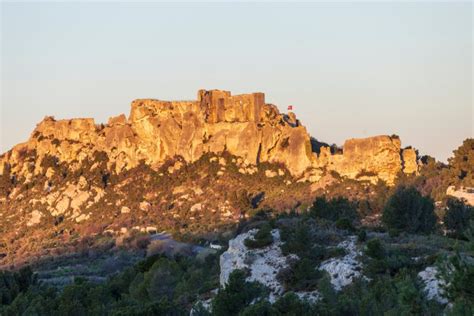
column 350, row 69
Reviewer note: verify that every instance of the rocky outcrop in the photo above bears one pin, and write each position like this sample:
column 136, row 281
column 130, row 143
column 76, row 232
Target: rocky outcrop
column 410, row 161
column 263, row 264
column 243, row 125
column 343, row 271
column 466, row 194
column 373, row 158
column 433, row 285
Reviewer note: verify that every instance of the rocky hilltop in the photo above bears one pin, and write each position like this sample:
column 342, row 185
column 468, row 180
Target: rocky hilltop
column 180, row 166
column 242, row 125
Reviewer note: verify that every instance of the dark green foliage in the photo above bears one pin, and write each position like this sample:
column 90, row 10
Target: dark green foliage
column 462, row 164
column 303, row 241
column 163, row 286
column 158, row 286
column 13, row 284
column 301, row 275
column 344, row 224
column 290, row 304
column 362, row 236
column 435, row 177
column 409, row 298
column 237, row 295
column 297, row 240
column 375, row 249
column 393, row 232
column 461, row 307
column 261, row 239
column 334, row 209
column 459, row 274
column 457, row 217
column 384, row 261
column 408, row 210
column 399, row 295
column 263, row 308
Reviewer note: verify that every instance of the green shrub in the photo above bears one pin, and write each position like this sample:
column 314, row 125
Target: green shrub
column 290, row 304
column 301, row 275
column 261, row 239
column 296, row 240
column 362, row 236
column 393, row 232
column 457, row 216
column 334, row 209
column 459, row 275
column 237, row 295
column 461, row 164
column 375, row 249
column 408, row 210
column 263, row 308
column 344, row 224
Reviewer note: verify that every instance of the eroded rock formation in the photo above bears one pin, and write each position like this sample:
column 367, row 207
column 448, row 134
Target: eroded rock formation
column 373, row 158
column 243, row 125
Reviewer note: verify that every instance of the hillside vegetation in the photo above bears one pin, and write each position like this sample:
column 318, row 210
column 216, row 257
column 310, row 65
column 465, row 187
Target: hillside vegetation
column 338, row 246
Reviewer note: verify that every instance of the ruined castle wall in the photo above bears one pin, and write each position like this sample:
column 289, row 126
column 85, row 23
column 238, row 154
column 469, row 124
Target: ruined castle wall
column 221, row 106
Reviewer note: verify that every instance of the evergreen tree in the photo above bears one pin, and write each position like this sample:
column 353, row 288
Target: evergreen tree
column 409, row 211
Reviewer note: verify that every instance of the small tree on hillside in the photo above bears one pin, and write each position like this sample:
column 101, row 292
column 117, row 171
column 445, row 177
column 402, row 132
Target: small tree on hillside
column 334, row 209
column 457, row 216
column 261, row 239
column 462, row 163
column 237, row 294
column 408, row 210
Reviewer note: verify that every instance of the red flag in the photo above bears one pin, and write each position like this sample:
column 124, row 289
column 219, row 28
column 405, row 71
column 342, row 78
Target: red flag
column 290, row 107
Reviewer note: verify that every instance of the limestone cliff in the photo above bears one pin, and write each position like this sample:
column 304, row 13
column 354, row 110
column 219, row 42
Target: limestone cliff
column 373, row 158
column 243, row 125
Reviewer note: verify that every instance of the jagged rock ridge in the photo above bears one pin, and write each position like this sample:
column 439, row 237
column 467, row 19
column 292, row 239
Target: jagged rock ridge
column 243, row 125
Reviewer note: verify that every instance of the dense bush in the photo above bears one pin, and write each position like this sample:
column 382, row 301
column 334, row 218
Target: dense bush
column 13, row 284
column 344, row 224
column 409, row 211
column 164, row 286
column 301, row 275
column 237, row 294
column 462, row 164
column 155, row 286
column 261, row 239
column 362, row 236
column 457, row 216
column 435, row 177
column 334, row 209
column 375, row 249
column 296, row 239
